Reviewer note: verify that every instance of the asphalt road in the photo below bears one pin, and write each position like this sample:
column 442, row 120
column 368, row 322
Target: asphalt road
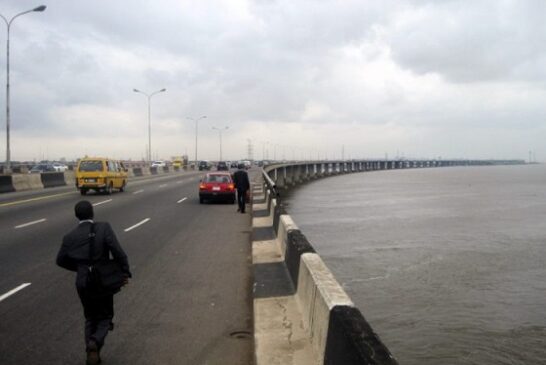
column 191, row 286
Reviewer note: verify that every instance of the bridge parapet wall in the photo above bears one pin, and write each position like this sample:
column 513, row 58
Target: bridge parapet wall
column 317, row 313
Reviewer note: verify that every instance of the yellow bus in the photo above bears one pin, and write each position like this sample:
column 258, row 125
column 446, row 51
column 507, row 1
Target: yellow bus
column 100, row 174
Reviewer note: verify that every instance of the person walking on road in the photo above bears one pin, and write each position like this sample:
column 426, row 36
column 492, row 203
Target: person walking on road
column 242, row 184
column 88, row 243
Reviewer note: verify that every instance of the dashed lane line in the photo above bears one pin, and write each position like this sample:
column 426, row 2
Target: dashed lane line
column 181, row 200
column 13, row 291
column 30, row 223
column 102, row 202
column 35, row 199
column 163, row 185
column 138, row 191
column 137, row 225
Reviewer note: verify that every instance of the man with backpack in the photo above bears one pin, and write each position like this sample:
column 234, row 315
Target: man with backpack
column 89, row 244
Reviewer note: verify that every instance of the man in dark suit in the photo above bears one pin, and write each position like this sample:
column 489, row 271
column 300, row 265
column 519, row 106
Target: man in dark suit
column 74, row 255
column 242, row 184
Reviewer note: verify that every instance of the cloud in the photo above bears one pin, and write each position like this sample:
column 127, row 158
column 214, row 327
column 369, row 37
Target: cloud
column 470, row 41
column 302, row 74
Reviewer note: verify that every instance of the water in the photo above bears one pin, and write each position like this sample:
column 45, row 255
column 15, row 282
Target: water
column 448, row 264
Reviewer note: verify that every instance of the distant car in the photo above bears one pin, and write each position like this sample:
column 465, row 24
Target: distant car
column 222, row 166
column 204, row 165
column 233, row 164
column 217, row 186
column 59, row 167
column 159, row 164
column 40, row 168
column 247, row 164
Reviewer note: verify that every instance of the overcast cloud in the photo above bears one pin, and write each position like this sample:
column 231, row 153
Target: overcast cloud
column 457, row 79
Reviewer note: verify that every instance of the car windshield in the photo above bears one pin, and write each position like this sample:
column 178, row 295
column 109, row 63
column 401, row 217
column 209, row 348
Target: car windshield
column 91, row 166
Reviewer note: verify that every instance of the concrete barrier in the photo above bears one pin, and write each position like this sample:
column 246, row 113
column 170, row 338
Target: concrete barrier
column 351, row 340
column 166, row 169
column 153, row 170
column 312, row 310
column 137, row 171
column 318, row 292
column 24, row 182
column 52, row 179
column 6, row 184
column 70, row 178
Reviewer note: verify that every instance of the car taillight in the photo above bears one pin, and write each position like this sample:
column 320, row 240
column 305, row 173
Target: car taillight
column 202, row 186
column 231, row 186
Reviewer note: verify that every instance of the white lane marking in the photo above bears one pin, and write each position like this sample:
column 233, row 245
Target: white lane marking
column 181, row 200
column 30, row 223
column 102, row 202
column 136, row 225
column 13, row 291
column 138, row 191
column 180, row 181
column 163, row 185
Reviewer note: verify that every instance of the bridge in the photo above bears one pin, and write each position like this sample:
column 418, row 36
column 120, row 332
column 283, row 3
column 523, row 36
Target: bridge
column 203, row 274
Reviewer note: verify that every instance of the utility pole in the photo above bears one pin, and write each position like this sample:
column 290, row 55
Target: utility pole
column 250, row 150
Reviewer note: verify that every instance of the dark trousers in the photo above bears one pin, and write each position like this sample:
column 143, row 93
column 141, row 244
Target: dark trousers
column 241, row 199
column 98, row 312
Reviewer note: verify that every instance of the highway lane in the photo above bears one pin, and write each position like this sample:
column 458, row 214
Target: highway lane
column 18, row 211
column 191, row 285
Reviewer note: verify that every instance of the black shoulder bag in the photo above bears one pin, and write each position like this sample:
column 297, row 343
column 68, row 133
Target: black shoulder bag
column 105, row 275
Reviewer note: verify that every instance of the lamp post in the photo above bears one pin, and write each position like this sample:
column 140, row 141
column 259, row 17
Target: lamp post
column 149, row 96
column 8, row 24
column 196, row 120
column 220, row 130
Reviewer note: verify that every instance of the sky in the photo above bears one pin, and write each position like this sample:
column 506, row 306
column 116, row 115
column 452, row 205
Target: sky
column 290, row 79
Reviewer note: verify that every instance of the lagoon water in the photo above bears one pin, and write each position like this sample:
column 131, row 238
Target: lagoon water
column 447, row 264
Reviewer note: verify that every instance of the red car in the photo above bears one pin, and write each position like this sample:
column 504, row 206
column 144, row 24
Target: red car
column 217, row 186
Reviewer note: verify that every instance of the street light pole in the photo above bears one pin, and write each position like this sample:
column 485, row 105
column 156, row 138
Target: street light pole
column 8, row 24
column 149, row 96
column 196, row 120
column 220, row 133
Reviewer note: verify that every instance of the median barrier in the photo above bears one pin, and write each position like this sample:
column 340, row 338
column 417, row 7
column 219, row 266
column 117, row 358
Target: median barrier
column 23, row 182
column 19, row 169
column 6, row 184
column 137, row 171
column 70, row 178
column 166, row 169
column 153, row 170
column 52, row 179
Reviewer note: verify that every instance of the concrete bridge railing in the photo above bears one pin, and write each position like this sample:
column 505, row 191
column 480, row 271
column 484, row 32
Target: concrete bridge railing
column 307, row 305
column 289, row 174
